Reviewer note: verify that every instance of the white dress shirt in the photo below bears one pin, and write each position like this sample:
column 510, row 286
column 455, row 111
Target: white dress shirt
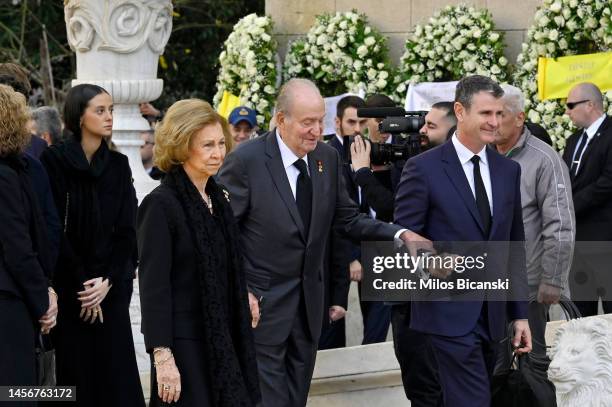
column 591, row 131
column 289, row 158
column 465, row 155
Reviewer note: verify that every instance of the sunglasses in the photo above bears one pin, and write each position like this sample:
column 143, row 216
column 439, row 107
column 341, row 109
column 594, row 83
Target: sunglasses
column 572, row 105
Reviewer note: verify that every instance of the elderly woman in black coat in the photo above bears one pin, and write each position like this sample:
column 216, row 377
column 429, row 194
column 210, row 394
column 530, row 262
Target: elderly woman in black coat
column 95, row 199
column 27, row 301
column 195, row 314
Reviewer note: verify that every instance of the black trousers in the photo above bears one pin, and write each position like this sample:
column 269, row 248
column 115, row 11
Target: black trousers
column 376, row 320
column 285, row 370
column 333, row 334
column 590, row 278
column 417, row 363
column 17, row 358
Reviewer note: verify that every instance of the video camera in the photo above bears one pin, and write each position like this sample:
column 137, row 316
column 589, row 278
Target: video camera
column 404, row 126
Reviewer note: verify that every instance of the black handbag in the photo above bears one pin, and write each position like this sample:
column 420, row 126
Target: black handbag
column 527, row 384
column 45, row 362
column 522, row 386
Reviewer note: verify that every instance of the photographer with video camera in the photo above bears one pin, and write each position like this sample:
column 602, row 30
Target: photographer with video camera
column 377, row 163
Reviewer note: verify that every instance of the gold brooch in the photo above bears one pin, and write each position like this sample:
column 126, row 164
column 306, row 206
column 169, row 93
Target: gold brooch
column 320, row 165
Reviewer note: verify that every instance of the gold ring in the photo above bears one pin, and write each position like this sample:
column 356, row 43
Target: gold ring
column 166, row 387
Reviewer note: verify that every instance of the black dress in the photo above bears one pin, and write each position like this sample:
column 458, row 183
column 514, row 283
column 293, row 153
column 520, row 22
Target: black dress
column 97, row 205
column 177, row 311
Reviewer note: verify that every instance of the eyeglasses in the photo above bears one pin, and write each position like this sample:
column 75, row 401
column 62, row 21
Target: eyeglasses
column 572, row 105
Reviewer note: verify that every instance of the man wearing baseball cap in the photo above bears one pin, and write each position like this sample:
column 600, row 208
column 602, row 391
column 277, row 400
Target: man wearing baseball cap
column 243, row 123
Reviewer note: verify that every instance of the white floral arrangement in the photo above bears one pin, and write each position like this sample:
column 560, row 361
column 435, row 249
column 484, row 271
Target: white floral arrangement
column 561, row 28
column 341, row 53
column 247, row 66
column 455, row 42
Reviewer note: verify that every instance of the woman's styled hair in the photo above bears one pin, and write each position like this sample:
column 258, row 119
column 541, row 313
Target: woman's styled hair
column 76, row 102
column 14, row 115
column 182, row 121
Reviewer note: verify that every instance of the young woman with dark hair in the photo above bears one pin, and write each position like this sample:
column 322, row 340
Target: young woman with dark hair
column 95, row 199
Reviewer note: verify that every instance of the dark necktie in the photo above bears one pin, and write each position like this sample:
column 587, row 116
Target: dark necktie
column 578, row 154
column 482, row 201
column 303, row 194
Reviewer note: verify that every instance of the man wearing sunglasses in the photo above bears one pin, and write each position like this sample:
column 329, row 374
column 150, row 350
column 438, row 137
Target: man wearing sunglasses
column 588, row 155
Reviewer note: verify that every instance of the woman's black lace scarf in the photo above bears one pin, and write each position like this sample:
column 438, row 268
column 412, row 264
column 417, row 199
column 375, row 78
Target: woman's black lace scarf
column 228, row 338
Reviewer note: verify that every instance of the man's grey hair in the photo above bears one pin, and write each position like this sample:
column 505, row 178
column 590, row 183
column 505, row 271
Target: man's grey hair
column 48, row 120
column 287, row 92
column 591, row 92
column 513, row 98
column 471, row 85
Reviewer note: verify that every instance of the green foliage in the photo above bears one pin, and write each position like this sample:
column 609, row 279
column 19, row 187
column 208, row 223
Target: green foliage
column 199, row 29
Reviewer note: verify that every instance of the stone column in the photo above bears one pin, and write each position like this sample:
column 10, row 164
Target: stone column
column 117, row 44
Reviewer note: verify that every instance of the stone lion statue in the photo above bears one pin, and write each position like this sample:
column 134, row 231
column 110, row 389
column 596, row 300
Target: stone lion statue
column 581, row 367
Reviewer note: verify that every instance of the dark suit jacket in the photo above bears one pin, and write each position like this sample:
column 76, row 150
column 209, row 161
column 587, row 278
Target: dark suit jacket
column 20, row 271
column 36, row 147
column 280, row 261
column 592, row 186
column 42, row 189
column 170, row 294
column 435, row 200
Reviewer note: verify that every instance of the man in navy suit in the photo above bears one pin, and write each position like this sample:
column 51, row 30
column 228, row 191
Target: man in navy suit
column 464, row 191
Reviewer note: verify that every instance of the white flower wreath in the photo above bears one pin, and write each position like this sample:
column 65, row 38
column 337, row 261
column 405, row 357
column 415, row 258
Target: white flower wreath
column 456, row 41
column 247, row 66
column 561, row 27
column 341, row 53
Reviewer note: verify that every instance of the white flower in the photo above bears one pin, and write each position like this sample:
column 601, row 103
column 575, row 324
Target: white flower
column 493, row 37
column 269, row 89
column 571, row 25
column 369, row 41
column 357, row 64
column 265, row 37
column 555, row 7
column 362, row 51
column 341, row 42
column 553, row 35
column 477, row 34
column 591, row 22
column 503, row 61
column 534, row 116
column 381, row 83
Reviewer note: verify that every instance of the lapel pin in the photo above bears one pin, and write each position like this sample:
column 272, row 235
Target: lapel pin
column 320, row 165
column 226, row 193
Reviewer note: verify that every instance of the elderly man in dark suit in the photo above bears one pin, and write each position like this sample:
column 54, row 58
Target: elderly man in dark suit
column 588, row 154
column 463, row 191
column 287, row 192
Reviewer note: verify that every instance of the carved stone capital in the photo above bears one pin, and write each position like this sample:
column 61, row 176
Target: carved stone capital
column 121, row 26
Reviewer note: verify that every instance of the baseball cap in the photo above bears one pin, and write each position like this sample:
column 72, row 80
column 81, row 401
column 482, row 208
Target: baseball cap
column 243, row 113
